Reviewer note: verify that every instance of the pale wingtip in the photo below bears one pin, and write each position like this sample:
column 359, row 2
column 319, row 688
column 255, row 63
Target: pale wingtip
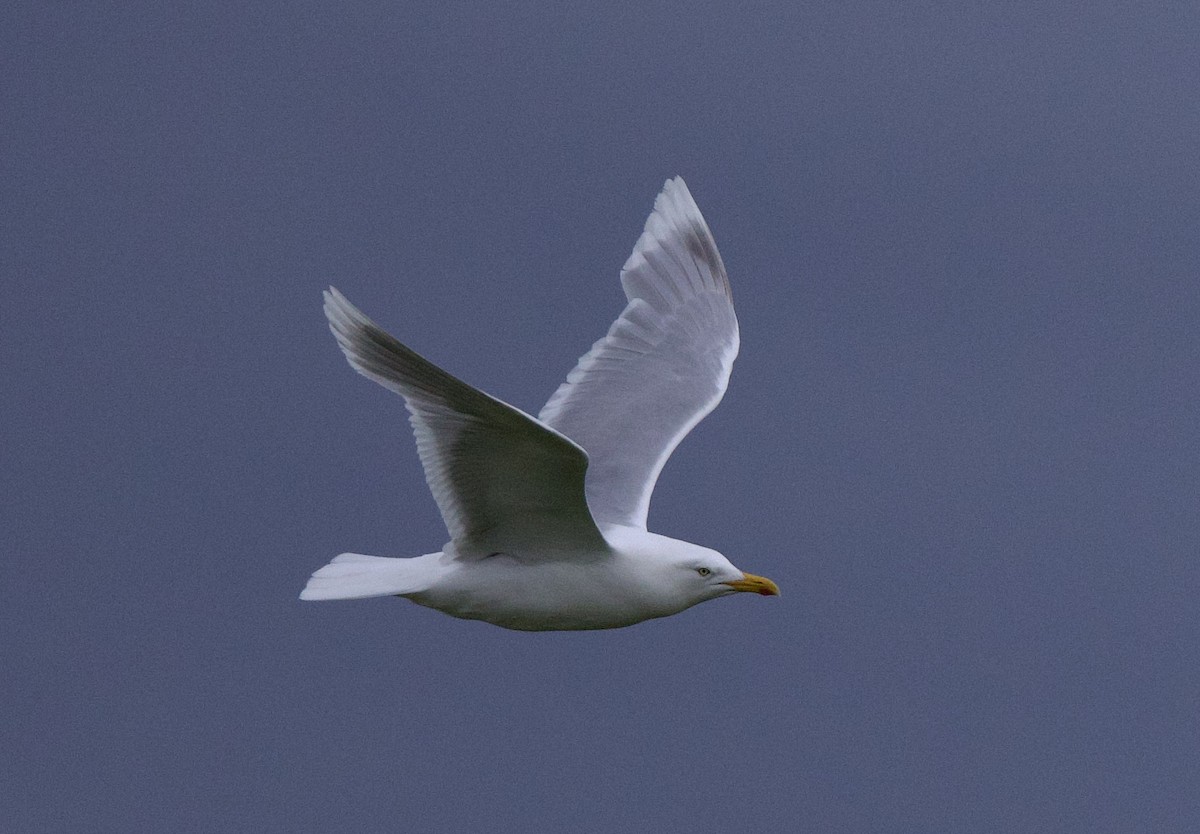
column 675, row 182
column 674, row 203
column 337, row 306
column 348, row 324
column 676, row 187
column 675, row 223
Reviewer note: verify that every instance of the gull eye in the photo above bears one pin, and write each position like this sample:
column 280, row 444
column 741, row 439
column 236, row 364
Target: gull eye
column 703, row 571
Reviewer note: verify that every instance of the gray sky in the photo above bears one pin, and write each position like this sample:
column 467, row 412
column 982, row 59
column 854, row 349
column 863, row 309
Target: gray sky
column 961, row 434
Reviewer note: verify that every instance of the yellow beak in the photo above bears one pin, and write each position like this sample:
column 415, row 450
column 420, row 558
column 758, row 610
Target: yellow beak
column 757, row 584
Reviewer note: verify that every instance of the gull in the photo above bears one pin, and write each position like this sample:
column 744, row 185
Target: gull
column 547, row 514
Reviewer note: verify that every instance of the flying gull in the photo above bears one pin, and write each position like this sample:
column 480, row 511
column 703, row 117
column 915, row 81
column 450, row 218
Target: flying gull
column 547, row 514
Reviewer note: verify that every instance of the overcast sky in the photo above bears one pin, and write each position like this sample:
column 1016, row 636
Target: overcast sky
column 961, row 434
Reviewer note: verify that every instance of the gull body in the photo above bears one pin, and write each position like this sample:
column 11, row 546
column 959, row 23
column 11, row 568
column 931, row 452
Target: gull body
column 547, row 514
column 634, row 580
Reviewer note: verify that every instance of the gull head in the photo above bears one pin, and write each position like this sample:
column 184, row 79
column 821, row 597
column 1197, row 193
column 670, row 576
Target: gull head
column 683, row 574
column 711, row 575
column 705, row 574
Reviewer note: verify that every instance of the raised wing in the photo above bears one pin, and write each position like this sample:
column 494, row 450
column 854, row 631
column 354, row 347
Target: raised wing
column 502, row 480
column 662, row 367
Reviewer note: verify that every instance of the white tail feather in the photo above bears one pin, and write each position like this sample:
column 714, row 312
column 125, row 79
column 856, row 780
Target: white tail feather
column 357, row 576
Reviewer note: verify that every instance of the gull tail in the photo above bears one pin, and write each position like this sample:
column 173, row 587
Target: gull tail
column 355, row 576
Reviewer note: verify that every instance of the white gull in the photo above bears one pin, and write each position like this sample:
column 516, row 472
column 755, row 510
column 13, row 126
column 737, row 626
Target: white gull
column 547, row 515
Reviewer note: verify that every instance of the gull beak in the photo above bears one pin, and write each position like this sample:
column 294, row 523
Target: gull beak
column 757, row 584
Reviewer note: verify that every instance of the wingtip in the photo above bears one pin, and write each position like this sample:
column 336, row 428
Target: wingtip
column 675, row 204
column 675, row 220
column 348, row 324
column 343, row 316
column 334, row 300
column 674, row 183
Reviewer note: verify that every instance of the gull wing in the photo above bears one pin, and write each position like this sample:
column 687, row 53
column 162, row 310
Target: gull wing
column 502, row 480
column 662, row 367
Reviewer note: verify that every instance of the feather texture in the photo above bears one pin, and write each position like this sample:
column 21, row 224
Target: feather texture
column 662, row 367
column 502, row 480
